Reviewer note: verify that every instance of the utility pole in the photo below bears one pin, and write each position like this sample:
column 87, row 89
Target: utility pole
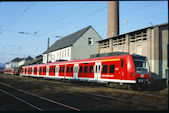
column 48, row 50
column 125, row 23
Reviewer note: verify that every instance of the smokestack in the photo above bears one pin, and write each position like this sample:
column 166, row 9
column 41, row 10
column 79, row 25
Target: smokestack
column 113, row 19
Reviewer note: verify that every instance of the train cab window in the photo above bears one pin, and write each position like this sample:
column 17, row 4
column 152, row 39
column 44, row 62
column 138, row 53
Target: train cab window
column 104, row 69
column 85, row 69
column 71, row 69
column 111, row 69
column 63, row 69
column 67, row 70
column 91, row 69
column 80, row 70
column 121, row 63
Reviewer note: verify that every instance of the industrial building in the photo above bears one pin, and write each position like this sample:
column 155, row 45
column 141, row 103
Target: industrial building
column 151, row 42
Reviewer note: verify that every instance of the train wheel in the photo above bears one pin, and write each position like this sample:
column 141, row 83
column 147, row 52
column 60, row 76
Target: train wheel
column 125, row 86
column 111, row 85
column 129, row 86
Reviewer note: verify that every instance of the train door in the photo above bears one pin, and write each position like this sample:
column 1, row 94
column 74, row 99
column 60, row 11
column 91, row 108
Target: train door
column 111, row 69
column 97, row 70
column 122, row 69
column 52, row 70
column 69, row 70
column 62, row 70
column 76, row 71
column 57, row 70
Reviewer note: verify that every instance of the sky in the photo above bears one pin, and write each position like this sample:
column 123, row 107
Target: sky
column 26, row 26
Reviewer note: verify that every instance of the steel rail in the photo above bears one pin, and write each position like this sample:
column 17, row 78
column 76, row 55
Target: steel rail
column 64, row 105
column 102, row 96
column 22, row 100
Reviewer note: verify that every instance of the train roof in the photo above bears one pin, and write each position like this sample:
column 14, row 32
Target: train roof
column 81, row 60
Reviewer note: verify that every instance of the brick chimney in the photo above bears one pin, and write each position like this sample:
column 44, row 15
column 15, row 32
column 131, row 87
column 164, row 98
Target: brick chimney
column 113, row 19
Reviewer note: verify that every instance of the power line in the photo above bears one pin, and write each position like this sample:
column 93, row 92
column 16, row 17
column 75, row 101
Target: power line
column 142, row 24
column 70, row 14
column 81, row 18
column 66, row 16
column 24, row 11
column 134, row 10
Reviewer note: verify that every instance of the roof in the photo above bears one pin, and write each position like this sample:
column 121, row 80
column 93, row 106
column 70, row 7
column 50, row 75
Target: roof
column 67, row 41
column 29, row 58
column 82, row 60
column 164, row 24
column 17, row 59
column 39, row 56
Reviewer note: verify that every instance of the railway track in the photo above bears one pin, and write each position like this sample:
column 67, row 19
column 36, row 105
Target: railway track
column 101, row 96
column 108, row 98
column 124, row 91
column 31, row 99
column 113, row 90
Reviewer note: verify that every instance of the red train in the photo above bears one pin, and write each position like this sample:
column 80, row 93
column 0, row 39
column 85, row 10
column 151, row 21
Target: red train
column 120, row 69
column 9, row 71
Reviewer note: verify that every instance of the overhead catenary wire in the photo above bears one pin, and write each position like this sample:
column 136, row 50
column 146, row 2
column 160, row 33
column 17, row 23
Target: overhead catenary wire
column 21, row 14
column 68, row 15
column 76, row 20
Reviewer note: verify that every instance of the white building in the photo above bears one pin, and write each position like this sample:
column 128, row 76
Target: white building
column 78, row 45
column 17, row 62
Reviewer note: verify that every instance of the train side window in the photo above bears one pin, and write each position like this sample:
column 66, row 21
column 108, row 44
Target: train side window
column 91, row 69
column 63, row 68
column 99, row 69
column 121, row 63
column 67, row 70
column 54, row 69
column 85, row 69
column 104, row 69
column 60, row 69
column 71, row 69
column 44, row 70
column 96, row 69
column 111, row 69
column 80, row 69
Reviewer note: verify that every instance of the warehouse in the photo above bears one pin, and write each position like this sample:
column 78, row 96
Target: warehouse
column 151, row 42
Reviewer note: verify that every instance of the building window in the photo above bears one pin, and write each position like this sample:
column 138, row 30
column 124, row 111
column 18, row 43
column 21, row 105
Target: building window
column 65, row 53
column 60, row 54
column 90, row 41
column 68, row 53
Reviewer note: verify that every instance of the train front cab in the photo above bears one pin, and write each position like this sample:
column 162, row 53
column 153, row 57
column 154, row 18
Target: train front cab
column 141, row 69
